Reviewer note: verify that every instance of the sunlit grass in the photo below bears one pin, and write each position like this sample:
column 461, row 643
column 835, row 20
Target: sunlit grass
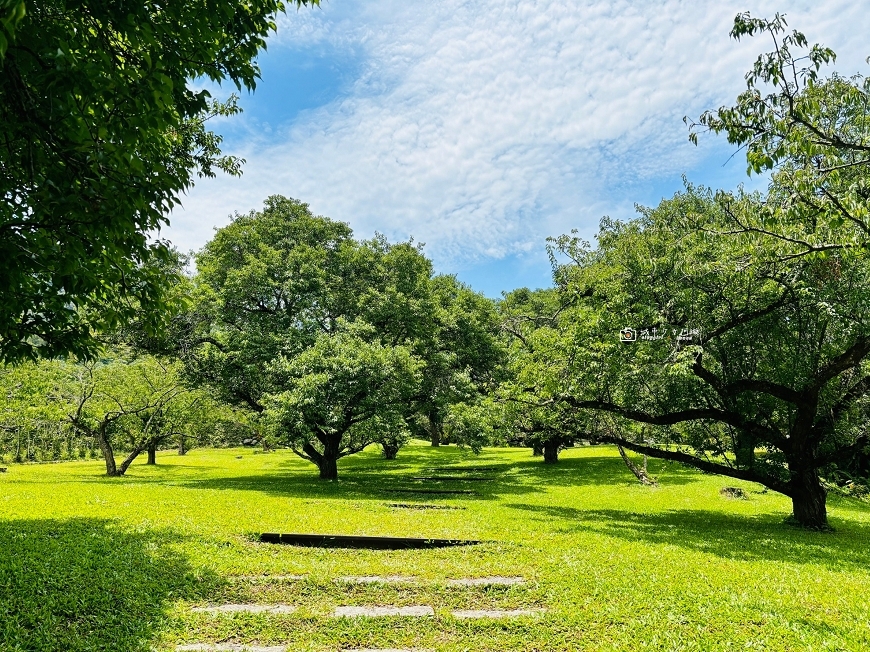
column 115, row 563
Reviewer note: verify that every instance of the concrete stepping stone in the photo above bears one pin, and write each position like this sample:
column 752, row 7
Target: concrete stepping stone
column 495, row 613
column 487, row 581
column 246, row 608
column 229, row 647
column 376, row 612
column 377, row 579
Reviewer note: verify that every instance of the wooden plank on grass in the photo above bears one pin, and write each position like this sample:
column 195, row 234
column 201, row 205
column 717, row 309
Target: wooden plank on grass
column 361, row 542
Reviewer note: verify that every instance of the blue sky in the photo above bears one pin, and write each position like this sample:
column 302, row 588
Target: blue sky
column 481, row 128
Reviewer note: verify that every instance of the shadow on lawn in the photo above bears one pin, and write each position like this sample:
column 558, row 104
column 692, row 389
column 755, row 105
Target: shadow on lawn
column 726, row 535
column 84, row 584
column 365, row 479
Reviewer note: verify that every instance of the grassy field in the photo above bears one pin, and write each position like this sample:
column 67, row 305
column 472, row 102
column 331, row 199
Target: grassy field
column 94, row 563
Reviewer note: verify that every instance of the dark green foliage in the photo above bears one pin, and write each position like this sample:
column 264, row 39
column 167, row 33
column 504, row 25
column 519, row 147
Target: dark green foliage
column 102, row 131
column 315, row 331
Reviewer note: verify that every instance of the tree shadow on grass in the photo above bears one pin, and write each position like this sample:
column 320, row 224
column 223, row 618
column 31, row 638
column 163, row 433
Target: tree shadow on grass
column 387, row 480
column 86, row 584
column 727, row 535
column 601, row 470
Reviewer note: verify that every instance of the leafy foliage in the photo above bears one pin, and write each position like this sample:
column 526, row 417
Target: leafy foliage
column 760, row 358
column 811, row 133
column 60, row 410
column 318, row 332
column 102, row 132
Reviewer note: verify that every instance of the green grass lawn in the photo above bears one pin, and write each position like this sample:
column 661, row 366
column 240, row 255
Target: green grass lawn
column 95, row 563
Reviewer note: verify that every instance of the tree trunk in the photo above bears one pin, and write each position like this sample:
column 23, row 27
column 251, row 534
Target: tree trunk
column 108, row 453
column 152, row 453
column 639, row 473
column 328, row 468
column 808, row 500
column 434, row 429
column 129, row 460
column 551, row 451
column 390, row 450
column 328, row 462
column 182, row 450
column 537, row 449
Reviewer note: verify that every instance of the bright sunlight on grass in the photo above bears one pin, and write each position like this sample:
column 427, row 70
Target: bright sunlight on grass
column 96, row 563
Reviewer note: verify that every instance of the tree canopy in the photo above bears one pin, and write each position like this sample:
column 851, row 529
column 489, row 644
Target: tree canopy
column 336, row 342
column 103, row 128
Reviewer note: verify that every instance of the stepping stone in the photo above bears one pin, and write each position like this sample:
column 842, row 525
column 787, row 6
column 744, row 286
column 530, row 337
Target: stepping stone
column 247, row 608
column 451, row 478
column 487, row 581
column 495, row 613
column 229, row 647
column 462, row 492
column 474, row 469
column 374, row 612
column 379, row 649
column 419, row 506
column 377, row 579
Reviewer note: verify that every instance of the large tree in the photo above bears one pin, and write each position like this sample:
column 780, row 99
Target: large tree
column 461, row 351
column 749, row 361
column 750, row 309
column 312, row 329
column 103, row 128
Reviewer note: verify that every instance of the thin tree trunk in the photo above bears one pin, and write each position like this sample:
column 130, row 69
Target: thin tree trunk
column 434, row 429
column 129, row 460
column 152, row 453
column 808, row 500
column 108, row 453
column 537, row 449
column 639, row 473
column 551, row 451
column 181, row 447
column 390, row 450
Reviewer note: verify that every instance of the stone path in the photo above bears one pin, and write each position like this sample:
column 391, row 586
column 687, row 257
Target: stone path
column 369, row 612
column 415, row 611
column 495, row 613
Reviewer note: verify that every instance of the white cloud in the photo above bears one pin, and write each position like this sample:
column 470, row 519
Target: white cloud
column 482, row 127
